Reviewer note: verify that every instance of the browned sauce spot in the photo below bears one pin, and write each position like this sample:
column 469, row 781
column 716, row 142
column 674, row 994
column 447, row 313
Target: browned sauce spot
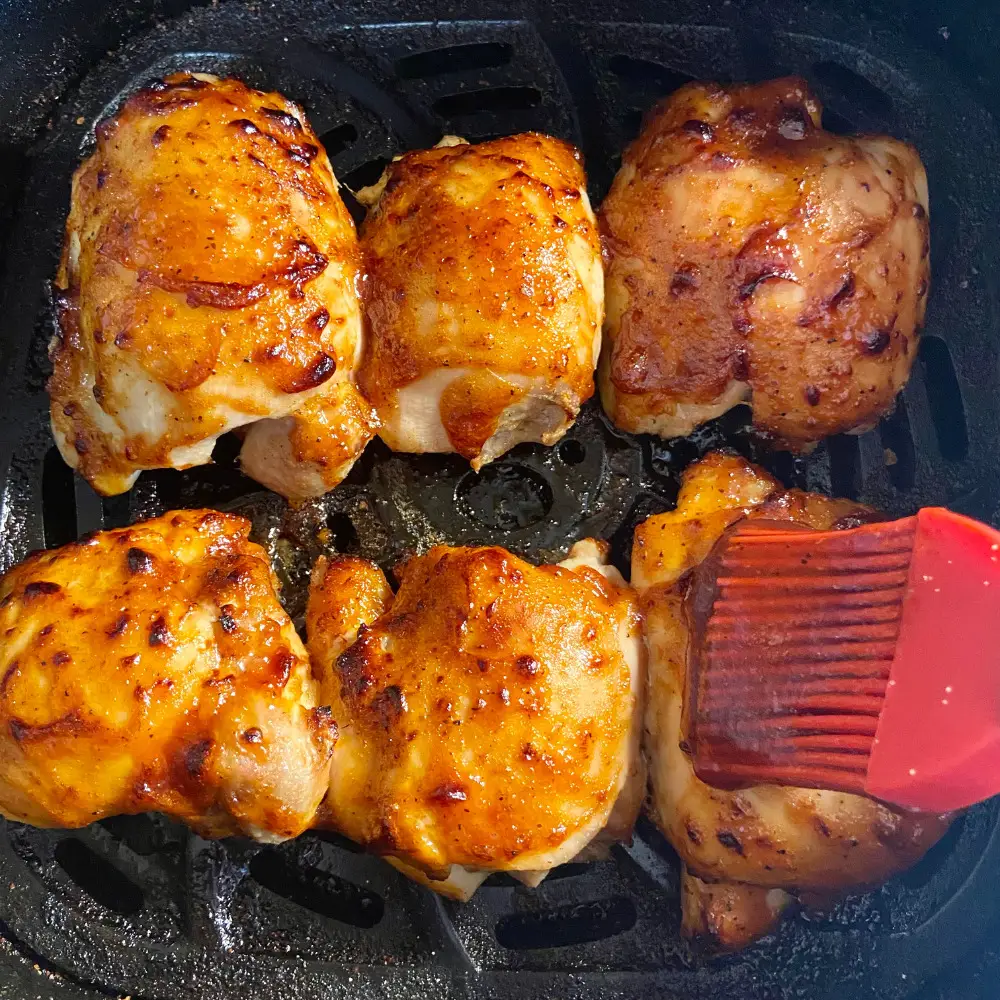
column 388, row 706
column 699, row 129
column 794, row 124
column 845, row 291
column 195, row 757
column 281, row 667
column 80, row 444
column 351, row 666
column 447, row 793
column 289, row 121
column 303, row 153
column 694, row 834
column 729, row 841
column 812, row 395
column 319, row 320
column 226, row 619
column 158, row 634
column 102, row 177
column 528, row 666
column 118, row 627
column 245, row 126
column 318, row 371
column 160, row 134
column 60, row 658
column 685, row 279
column 139, row 561
column 252, row 735
column 874, row 341
column 741, row 365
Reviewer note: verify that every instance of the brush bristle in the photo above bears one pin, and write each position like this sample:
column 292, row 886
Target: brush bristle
column 789, row 668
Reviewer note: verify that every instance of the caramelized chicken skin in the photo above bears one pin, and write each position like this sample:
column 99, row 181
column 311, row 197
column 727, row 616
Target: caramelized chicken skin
column 488, row 713
column 152, row 668
column 485, row 296
column 208, row 281
column 751, row 255
column 747, row 853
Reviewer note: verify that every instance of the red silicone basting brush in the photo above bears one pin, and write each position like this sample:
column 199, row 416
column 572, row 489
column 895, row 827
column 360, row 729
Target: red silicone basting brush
column 865, row 660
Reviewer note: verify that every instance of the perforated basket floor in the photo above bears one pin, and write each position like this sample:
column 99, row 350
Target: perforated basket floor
column 140, row 906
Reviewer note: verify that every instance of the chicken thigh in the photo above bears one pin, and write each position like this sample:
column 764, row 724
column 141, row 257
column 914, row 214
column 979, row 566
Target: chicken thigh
column 485, row 296
column 209, row 280
column 747, row 853
column 752, row 256
column 489, row 712
column 152, row 668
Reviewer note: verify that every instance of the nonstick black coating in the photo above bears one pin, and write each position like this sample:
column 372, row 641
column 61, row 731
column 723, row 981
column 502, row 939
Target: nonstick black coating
column 141, row 907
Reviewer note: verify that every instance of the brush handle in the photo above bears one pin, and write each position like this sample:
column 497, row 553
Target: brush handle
column 937, row 746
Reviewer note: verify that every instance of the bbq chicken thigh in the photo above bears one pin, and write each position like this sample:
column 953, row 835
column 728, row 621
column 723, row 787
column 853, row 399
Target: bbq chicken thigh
column 485, row 296
column 488, row 713
column 747, row 853
column 152, row 668
column 209, row 280
column 753, row 257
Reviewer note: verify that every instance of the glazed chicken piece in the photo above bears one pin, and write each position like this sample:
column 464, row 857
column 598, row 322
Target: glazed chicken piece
column 152, row 668
column 752, row 256
column 748, row 853
column 488, row 712
column 208, row 282
column 485, row 296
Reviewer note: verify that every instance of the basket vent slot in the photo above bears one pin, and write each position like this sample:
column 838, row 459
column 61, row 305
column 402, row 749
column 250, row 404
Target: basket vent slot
column 945, row 399
column 564, row 926
column 860, row 92
column 646, row 75
column 316, row 890
column 845, row 475
column 58, row 500
column 454, row 59
column 494, row 100
column 897, row 440
column 98, row 878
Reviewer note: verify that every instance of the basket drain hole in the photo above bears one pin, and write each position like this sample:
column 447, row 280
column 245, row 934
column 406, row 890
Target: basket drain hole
column 316, row 890
column 337, row 139
column 493, row 99
column 343, row 534
column 505, row 496
column 454, row 59
column 571, row 451
column 563, row 926
column 98, row 878
column 945, row 399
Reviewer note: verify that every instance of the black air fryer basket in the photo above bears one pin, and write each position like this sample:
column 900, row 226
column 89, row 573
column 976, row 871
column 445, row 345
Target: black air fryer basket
column 140, row 907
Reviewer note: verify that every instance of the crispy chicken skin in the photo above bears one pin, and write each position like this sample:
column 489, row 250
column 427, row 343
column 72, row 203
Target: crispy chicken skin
column 485, row 296
column 152, row 668
column 750, row 255
column 488, row 713
column 747, row 853
column 209, row 280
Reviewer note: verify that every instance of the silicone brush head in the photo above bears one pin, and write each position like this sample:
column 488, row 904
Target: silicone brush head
column 862, row 660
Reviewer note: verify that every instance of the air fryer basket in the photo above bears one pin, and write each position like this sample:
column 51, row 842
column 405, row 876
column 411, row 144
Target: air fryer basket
column 141, row 907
